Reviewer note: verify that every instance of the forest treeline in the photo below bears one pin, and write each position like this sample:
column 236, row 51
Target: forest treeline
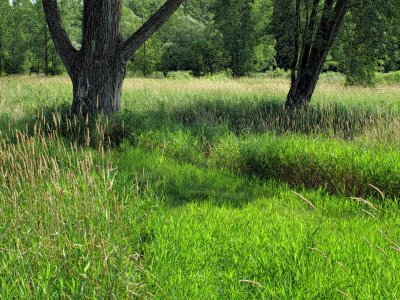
column 208, row 36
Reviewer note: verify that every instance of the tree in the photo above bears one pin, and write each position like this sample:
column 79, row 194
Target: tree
column 316, row 29
column 147, row 56
column 4, row 13
column 192, row 47
column 40, row 43
column 236, row 21
column 283, row 32
column 370, row 42
column 18, row 37
column 98, row 68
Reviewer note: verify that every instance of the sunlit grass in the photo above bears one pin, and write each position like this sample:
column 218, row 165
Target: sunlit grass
column 140, row 92
column 201, row 188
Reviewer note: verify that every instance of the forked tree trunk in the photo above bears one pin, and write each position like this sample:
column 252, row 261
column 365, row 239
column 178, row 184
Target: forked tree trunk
column 97, row 70
column 318, row 38
column 301, row 91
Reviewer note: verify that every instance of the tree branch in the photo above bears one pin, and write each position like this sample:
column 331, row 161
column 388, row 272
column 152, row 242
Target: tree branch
column 60, row 37
column 148, row 28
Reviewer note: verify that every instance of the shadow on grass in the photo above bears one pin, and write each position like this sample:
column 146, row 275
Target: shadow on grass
column 206, row 122
column 332, row 120
column 182, row 182
column 207, row 118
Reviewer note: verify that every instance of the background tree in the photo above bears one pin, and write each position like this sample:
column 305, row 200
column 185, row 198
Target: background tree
column 146, row 57
column 370, row 41
column 194, row 47
column 98, row 69
column 238, row 22
column 40, row 43
column 283, row 31
column 18, row 55
column 4, row 14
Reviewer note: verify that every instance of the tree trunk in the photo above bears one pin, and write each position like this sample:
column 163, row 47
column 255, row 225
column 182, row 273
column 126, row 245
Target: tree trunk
column 97, row 87
column 303, row 86
column 301, row 91
column 46, row 53
column 318, row 40
column 97, row 70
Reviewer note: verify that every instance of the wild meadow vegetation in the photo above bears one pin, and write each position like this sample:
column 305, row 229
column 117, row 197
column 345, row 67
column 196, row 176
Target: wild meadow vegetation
column 201, row 188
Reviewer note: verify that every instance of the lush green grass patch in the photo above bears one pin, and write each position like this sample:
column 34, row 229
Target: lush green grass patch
column 271, row 245
column 199, row 189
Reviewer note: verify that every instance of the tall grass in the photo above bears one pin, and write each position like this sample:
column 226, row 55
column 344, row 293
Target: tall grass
column 199, row 189
column 251, row 135
column 69, row 227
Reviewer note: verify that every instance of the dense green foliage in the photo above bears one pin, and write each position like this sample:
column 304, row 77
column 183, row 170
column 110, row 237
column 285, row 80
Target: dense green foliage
column 25, row 45
column 370, row 43
column 207, row 37
column 208, row 189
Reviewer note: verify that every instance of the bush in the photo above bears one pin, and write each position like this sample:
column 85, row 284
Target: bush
column 391, row 77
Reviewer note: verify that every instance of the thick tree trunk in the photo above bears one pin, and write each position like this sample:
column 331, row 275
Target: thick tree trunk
column 97, row 87
column 97, row 70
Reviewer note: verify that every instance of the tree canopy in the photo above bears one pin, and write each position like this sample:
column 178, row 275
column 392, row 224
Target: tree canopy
column 210, row 36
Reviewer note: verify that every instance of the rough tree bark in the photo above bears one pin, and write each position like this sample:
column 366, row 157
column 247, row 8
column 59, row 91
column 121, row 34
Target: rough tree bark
column 316, row 41
column 97, row 70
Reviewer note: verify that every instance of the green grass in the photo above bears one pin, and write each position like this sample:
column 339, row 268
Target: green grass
column 200, row 189
column 216, row 230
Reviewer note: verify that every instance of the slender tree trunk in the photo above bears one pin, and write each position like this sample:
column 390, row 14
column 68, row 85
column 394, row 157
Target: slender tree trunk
column 303, row 87
column 144, row 55
column 46, row 53
column 98, row 69
column 1, row 57
column 296, row 46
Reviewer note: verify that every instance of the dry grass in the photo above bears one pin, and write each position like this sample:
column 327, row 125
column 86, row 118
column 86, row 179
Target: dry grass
column 328, row 91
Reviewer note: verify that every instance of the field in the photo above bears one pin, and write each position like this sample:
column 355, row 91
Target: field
column 200, row 189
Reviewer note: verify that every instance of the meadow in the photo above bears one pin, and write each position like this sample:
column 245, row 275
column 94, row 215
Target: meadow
column 200, row 189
